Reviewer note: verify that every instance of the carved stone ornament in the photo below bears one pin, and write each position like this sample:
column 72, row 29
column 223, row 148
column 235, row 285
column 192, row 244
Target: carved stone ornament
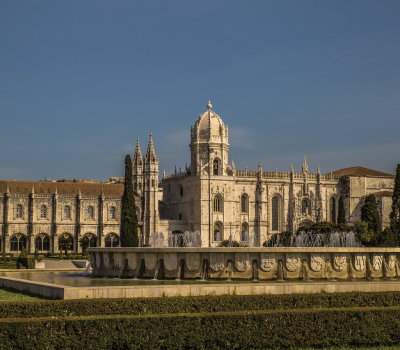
column 150, row 261
column 98, row 260
column 193, row 261
column 118, row 258
column 377, row 261
column 359, row 261
column 267, row 261
column 242, row 261
column 170, row 261
column 107, row 260
column 132, row 260
column 317, row 261
column 292, row 262
column 217, row 261
column 392, row 261
column 339, row 262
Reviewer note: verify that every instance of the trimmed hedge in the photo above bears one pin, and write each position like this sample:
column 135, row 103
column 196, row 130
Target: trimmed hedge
column 204, row 304
column 255, row 330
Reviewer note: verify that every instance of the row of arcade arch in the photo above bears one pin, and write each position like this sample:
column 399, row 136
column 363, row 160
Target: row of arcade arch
column 42, row 242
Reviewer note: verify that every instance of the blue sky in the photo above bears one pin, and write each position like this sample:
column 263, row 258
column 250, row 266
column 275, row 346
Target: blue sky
column 81, row 80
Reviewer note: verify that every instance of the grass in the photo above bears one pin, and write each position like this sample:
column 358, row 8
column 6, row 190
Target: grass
column 8, row 294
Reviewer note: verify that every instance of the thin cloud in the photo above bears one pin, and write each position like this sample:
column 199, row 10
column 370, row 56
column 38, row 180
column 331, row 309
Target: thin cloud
column 240, row 138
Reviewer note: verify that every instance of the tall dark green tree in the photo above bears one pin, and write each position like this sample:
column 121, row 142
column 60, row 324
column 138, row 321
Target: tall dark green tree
column 129, row 222
column 341, row 213
column 395, row 213
column 369, row 214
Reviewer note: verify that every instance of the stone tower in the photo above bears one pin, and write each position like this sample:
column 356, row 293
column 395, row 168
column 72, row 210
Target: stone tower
column 150, row 191
column 209, row 134
column 137, row 171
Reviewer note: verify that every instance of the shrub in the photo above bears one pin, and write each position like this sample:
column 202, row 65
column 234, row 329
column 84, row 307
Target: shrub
column 61, row 255
column 225, row 243
column 23, row 253
column 257, row 330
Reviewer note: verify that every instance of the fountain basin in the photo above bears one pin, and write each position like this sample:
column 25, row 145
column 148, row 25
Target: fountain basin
column 293, row 263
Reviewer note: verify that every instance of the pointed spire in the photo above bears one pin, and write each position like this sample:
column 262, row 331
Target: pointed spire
column 318, row 171
column 150, row 155
column 163, row 173
column 175, row 169
column 304, row 168
column 259, row 166
column 291, row 168
column 138, row 154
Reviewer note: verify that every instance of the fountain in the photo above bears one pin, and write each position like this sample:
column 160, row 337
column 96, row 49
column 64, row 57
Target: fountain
column 303, row 256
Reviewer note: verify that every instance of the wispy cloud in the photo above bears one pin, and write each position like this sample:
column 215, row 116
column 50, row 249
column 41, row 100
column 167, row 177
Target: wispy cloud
column 10, row 173
column 179, row 138
column 241, row 138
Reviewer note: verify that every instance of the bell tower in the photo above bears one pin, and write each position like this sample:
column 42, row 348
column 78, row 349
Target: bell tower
column 209, row 145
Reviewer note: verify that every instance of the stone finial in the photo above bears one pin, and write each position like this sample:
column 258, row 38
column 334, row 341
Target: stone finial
column 259, row 166
column 175, row 169
column 318, row 171
column 305, row 166
column 8, row 189
column 233, row 165
column 102, row 192
column 56, row 192
column 209, row 106
column 138, row 154
column 150, row 155
column 291, row 168
column 163, row 173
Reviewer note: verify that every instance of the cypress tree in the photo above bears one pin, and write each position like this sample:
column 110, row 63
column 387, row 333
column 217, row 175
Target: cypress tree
column 369, row 214
column 395, row 213
column 129, row 223
column 341, row 213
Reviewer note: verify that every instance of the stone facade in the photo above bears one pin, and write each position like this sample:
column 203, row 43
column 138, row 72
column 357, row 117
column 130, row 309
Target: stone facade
column 215, row 198
column 210, row 195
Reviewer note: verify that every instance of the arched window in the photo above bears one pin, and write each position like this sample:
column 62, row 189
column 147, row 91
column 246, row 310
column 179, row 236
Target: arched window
column 245, row 231
column 18, row 213
column 16, row 243
column 43, row 212
column 275, row 214
column 67, row 212
column 111, row 242
column 152, row 183
column 90, row 213
column 70, row 243
column 42, row 244
column 215, row 167
column 217, row 205
column 217, row 231
column 115, row 241
column 304, row 207
column 138, row 213
column 332, row 204
column 135, row 186
column 244, row 204
column 93, row 241
column 112, row 213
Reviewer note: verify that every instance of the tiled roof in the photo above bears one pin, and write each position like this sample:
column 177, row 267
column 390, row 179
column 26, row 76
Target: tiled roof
column 360, row 171
column 383, row 193
column 70, row 188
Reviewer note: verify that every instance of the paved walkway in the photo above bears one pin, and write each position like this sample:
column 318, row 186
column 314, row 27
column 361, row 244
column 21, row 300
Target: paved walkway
column 63, row 264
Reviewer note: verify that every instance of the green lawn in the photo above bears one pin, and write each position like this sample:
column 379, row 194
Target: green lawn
column 11, row 295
